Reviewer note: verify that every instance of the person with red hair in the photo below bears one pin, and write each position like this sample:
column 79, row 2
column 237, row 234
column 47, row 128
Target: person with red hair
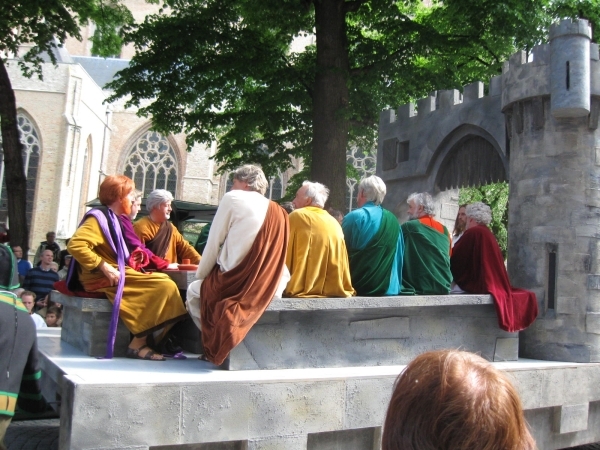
column 148, row 304
column 454, row 400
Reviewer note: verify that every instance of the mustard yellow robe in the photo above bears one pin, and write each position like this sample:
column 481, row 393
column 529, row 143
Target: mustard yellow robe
column 179, row 248
column 150, row 301
column 317, row 257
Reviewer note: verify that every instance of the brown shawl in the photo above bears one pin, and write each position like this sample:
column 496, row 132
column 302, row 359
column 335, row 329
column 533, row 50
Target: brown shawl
column 159, row 244
column 232, row 302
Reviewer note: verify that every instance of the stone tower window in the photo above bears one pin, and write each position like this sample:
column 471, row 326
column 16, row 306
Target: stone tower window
column 31, row 156
column 152, row 164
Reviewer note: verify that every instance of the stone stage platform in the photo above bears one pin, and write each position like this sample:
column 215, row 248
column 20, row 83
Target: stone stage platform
column 143, row 405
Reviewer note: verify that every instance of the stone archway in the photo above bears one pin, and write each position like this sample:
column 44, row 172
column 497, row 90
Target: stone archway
column 471, row 161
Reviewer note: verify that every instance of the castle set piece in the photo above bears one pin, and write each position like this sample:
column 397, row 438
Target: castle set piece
column 536, row 128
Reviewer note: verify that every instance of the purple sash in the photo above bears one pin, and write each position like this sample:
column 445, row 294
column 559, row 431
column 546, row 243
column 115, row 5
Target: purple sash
column 114, row 236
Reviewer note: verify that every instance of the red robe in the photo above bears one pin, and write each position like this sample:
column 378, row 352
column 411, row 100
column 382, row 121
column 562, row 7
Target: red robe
column 478, row 268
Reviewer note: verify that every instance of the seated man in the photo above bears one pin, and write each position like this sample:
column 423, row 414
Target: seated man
column 159, row 235
column 374, row 242
column 23, row 264
column 41, row 278
column 478, row 268
column 242, row 267
column 427, row 246
column 317, row 257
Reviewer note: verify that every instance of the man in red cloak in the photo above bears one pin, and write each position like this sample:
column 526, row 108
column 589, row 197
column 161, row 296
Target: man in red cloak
column 478, row 268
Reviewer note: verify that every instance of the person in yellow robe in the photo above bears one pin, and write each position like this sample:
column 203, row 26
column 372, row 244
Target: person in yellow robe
column 147, row 303
column 317, row 257
column 159, row 235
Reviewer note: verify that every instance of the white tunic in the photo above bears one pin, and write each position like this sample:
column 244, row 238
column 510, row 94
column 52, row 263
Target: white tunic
column 237, row 222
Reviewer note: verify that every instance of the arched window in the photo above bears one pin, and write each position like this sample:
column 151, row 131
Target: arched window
column 364, row 164
column 29, row 137
column 152, row 164
column 275, row 191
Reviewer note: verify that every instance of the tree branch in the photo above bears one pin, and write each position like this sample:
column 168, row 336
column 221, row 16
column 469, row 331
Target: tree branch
column 352, row 6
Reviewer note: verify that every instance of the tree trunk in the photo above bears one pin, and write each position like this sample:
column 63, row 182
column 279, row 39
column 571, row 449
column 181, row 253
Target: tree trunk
column 330, row 100
column 14, row 171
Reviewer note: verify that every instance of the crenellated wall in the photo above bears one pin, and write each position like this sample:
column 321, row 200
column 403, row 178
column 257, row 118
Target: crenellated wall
column 415, row 141
column 551, row 107
column 541, row 120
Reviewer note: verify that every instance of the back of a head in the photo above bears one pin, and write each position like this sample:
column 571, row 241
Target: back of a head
column 9, row 276
column 253, row 176
column 454, row 400
column 317, row 192
column 423, row 199
column 373, row 188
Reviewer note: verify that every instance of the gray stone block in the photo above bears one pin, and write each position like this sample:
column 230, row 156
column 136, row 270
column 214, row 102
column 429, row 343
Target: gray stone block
column 507, row 349
column 571, row 418
column 356, row 439
column 279, row 443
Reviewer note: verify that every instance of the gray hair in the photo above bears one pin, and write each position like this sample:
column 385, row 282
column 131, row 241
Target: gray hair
column 373, row 188
column 254, row 176
column 317, row 192
column 137, row 194
column 423, row 199
column 157, row 197
column 480, row 212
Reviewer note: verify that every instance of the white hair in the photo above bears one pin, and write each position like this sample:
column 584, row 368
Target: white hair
column 253, row 176
column 373, row 188
column 423, row 199
column 157, row 197
column 480, row 212
column 317, row 192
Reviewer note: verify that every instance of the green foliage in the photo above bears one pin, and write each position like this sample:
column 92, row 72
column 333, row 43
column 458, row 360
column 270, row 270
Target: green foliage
column 494, row 195
column 224, row 70
column 44, row 24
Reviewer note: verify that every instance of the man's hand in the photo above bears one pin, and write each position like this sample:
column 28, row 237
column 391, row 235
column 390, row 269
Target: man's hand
column 110, row 272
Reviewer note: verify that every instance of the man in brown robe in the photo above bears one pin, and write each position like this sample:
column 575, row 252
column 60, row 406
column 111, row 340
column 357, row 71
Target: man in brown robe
column 242, row 267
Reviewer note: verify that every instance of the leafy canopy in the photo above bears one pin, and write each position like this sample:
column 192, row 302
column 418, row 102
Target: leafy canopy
column 43, row 24
column 226, row 70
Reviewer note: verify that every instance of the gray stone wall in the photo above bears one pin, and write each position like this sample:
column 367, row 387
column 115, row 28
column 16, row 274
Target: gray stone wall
column 555, row 192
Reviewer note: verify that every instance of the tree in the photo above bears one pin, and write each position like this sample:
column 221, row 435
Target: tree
column 43, row 25
column 225, row 69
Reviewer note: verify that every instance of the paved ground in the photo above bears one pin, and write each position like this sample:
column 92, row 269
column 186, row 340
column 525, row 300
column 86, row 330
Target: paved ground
column 32, row 435
column 43, row 435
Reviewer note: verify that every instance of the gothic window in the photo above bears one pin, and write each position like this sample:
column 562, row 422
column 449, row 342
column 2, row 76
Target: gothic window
column 29, row 137
column 275, row 191
column 364, row 164
column 152, row 164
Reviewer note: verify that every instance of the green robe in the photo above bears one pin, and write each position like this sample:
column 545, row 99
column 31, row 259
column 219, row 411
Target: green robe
column 426, row 269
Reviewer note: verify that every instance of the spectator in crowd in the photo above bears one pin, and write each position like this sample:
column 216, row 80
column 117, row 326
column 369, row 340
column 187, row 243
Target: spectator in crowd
column 41, row 278
column 288, row 206
column 374, row 242
column 146, row 303
column 62, row 273
column 28, row 300
column 61, row 256
column 449, row 400
column 22, row 263
column 159, row 235
column 317, row 257
column 336, row 214
column 20, row 380
column 460, row 224
column 54, row 317
column 48, row 244
column 478, row 268
column 427, row 249
column 54, row 266
column 242, row 267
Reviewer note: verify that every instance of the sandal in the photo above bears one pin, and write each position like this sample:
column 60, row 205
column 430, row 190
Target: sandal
column 203, row 358
column 135, row 354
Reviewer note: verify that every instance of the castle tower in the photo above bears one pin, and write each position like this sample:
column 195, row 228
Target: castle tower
column 551, row 106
